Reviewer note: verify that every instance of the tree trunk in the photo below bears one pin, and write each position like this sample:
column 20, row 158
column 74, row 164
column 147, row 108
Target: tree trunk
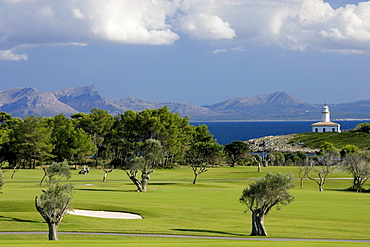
column 137, row 183
column 105, row 177
column 144, row 183
column 145, row 176
column 258, row 225
column 53, row 231
column 321, row 182
column 321, row 187
column 254, row 224
column 261, row 225
column 301, row 183
column 195, row 178
column 259, row 167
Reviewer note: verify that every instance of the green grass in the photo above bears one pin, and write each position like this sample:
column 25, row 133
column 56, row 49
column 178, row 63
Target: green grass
column 315, row 140
column 173, row 205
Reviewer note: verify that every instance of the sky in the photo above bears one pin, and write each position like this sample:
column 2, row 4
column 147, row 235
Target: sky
column 199, row 52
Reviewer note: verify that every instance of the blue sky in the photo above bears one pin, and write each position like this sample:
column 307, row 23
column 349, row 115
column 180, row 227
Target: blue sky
column 191, row 51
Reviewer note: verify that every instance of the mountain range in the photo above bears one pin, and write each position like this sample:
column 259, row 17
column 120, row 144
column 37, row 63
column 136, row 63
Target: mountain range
column 27, row 101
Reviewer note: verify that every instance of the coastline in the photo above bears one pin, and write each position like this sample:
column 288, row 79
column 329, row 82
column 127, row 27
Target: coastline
column 283, row 120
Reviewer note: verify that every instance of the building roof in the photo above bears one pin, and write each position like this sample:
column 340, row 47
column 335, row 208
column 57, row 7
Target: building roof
column 325, row 124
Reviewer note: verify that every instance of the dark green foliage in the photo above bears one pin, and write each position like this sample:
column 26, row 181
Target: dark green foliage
column 363, row 127
column 132, row 129
column 30, row 141
column 203, row 151
column 69, row 142
column 236, row 151
column 349, row 149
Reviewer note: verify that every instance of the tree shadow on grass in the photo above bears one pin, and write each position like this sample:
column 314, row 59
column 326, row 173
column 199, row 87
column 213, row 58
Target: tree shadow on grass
column 208, row 231
column 162, row 183
column 349, row 190
column 107, row 190
column 4, row 218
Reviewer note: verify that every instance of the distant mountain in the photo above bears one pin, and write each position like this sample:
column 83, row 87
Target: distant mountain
column 277, row 105
column 356, row 110
column 84, row 98
column 22, row 102
column 183, row 109
column 28, row 101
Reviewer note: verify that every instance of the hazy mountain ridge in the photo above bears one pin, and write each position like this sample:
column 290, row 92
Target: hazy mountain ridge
column 22, row 102
column 27, row 101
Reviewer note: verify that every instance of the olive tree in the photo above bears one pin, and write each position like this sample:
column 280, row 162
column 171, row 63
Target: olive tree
column 264, row 194
column 324, row 165
column 54, row 202
column 151, row 156
column 359, row 166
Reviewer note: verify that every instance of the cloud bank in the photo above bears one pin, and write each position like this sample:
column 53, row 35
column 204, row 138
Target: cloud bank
column 290, row 24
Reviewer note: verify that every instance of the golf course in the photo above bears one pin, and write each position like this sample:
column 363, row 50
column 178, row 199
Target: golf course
column 176, row 212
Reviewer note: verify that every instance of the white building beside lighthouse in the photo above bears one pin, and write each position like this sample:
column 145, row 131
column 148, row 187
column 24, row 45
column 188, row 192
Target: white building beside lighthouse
column 325, row 125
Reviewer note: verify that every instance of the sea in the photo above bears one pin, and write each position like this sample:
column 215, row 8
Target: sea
column 227, row 132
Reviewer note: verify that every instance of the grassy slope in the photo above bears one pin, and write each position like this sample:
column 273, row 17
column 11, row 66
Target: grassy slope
column 314, row 140
column 174, row 206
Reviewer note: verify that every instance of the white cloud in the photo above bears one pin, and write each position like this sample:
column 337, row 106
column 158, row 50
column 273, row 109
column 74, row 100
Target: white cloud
column 302, row 24
column 217, row 51
column 9, row 55
column 291, row 24
column 205, row 26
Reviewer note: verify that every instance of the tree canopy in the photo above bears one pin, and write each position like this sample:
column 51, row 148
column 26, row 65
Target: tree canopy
column 264, row 194
column 236, row 151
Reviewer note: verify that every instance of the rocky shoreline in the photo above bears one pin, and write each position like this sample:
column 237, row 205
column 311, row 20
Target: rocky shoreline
column 282, row 143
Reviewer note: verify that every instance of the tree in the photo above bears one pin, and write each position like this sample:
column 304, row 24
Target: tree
column 349, row 149
column 54, row 202
column 31, row 140
column 134, row 128
column 203, row 152
column 359, row 166
column 151, row 156
column 327, row 147
column 264, row 194
column 363, row 127
column 97, row 124
column 106, row 171
column 1, row 179
column 7, row 124
column 258, row 160
column 235, row 151
column 304, row 168
column 202, row 156
column 276, row 158
column 68, row 141
column 323, row 167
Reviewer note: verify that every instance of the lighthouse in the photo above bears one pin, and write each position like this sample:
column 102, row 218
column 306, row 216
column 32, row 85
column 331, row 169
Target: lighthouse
column 325, row 125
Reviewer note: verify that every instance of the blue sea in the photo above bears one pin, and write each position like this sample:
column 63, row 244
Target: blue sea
column 226, row 132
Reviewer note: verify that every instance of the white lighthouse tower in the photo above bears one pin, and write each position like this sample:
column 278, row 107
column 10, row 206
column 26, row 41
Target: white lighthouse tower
column 325, row 125
column 325, row 114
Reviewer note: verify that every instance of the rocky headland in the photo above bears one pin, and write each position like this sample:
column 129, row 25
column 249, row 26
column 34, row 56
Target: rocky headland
column 282, row 143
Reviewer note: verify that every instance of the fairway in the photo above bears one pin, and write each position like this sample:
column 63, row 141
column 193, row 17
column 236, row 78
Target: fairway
column 174, row 206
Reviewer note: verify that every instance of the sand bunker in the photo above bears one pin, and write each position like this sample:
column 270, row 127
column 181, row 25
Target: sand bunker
column 104, row 214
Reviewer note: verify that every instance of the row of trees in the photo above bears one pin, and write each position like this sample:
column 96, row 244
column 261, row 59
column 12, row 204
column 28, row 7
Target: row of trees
column 139, row 142
column 134, row 141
